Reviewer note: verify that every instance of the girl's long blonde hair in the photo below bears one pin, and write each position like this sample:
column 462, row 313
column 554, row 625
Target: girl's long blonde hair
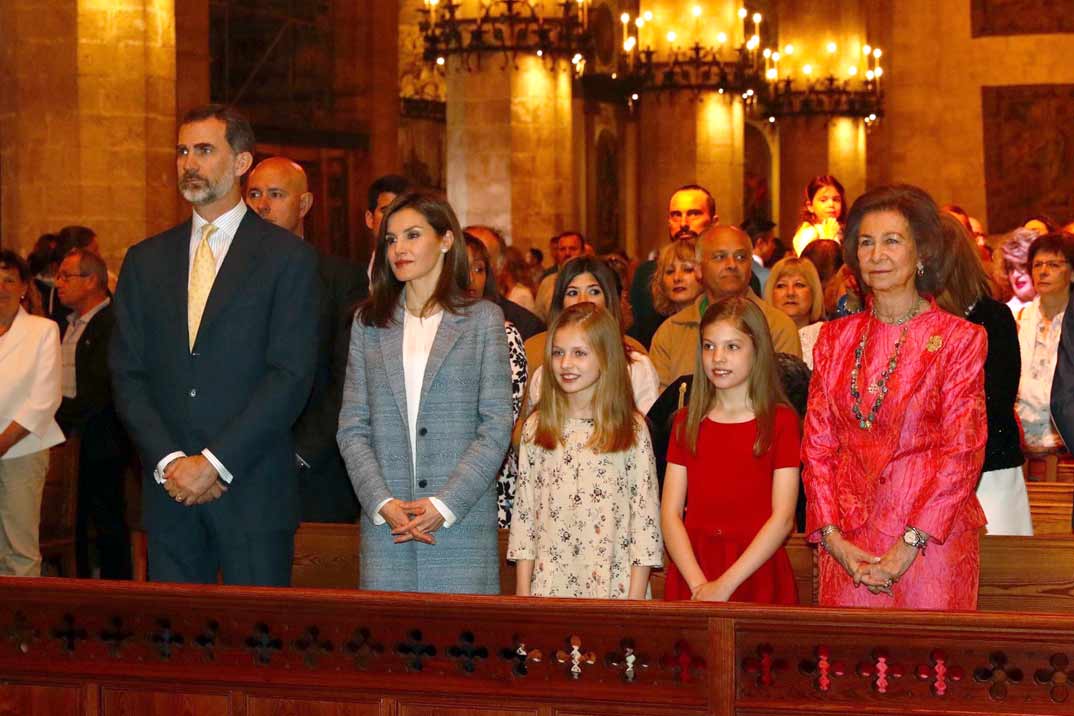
column 765, row 388
column 613, row 399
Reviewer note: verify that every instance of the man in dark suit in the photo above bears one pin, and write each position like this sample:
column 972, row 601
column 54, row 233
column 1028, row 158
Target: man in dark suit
column 87, row 411
column 213, row 356
column 278, row 190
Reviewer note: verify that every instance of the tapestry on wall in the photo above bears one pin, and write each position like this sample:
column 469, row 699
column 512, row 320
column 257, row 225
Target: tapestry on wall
column 1020, row 17
column 1029, row 147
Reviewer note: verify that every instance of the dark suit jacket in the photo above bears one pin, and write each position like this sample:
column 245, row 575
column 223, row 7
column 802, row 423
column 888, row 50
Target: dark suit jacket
column 1063, row 383
column 241, row 389
column 91, row 413
column 327, row 494
column 527, row 322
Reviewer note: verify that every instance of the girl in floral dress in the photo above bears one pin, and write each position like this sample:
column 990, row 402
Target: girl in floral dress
column 734, row 453
column 587, row 515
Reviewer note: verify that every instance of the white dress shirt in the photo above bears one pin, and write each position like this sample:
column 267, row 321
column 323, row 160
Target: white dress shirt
column 226, row 225
column 419, row 334
column 75, row 326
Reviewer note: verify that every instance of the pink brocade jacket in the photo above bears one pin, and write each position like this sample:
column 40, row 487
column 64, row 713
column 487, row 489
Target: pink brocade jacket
column 920, row 462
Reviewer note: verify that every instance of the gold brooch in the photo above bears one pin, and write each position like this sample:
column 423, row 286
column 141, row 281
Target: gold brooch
column 934, row 344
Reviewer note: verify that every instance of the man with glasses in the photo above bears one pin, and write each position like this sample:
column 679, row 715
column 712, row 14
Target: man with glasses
column 87, row 411
column 726, row 257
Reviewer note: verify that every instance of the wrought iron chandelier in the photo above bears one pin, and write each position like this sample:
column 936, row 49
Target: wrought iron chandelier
column 697, row 66
column 856, row 94
column 509, row 28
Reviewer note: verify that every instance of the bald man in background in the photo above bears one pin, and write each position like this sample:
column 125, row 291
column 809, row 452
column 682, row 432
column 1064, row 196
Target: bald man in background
column 726, row 257
column 278, row 190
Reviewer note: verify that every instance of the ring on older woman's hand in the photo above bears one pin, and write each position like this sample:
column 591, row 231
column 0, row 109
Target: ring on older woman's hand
column 178, row 498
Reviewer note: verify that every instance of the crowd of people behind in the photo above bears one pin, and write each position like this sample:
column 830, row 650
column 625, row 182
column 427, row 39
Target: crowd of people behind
column 877, row 381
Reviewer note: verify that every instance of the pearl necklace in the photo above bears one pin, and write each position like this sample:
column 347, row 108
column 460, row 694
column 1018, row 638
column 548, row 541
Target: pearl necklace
column 865, row 422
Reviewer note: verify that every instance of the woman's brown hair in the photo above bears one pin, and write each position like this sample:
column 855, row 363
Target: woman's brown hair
column 613, row 399
column 765, row 388
column 967, row 280
column 922, row 217
column 450, row 292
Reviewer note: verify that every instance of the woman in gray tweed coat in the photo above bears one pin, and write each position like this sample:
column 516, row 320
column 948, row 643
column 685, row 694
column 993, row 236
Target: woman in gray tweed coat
column 426, row 414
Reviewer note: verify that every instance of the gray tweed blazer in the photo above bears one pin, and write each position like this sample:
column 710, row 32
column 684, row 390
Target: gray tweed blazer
column 464, row 429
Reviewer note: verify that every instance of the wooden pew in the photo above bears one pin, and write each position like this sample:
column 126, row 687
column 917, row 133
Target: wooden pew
column 1050, row 506
column 116, row 649
column 1018, row 574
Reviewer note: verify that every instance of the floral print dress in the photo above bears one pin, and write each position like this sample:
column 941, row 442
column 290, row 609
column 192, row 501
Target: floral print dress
column 505, row 481
column 585, row 518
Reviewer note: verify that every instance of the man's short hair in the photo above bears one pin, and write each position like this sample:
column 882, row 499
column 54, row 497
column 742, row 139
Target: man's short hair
column 239, row 133
column 703, row 190
column 496, row 234
column 91, row 264
column 579, row 234
column 388, row 184
column 72, row 237
column 756, row 228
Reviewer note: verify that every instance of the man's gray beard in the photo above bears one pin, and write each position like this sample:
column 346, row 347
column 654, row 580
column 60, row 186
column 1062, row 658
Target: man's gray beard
column 202, row 195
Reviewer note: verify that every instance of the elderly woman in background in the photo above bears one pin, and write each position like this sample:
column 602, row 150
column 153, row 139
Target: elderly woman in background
column 1040, row 325
column 676, row 283
column 483, row 285
column 896, row 426
column 1002, row 489
column 1015, row 263
column 585, row 279
column 794, row 288
column 30, row 370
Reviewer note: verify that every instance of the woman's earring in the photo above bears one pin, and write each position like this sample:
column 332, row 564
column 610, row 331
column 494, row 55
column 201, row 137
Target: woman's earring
column 920, row 269
column 443, row 250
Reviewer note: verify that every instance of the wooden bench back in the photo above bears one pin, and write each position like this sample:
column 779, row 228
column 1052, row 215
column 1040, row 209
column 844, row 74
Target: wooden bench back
column 1024, row 574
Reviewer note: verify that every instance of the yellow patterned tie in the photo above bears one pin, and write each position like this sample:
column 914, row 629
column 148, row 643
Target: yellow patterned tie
column 201, row 282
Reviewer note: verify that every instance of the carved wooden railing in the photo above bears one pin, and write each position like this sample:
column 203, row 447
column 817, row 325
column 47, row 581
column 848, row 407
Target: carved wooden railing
column 69, row 647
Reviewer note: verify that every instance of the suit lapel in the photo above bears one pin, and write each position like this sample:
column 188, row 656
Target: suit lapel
column 446, row 335
column 391, row 352
column 178, row 275
column 235, row 271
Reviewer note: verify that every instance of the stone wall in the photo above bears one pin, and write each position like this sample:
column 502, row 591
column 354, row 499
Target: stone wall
column 932, row 134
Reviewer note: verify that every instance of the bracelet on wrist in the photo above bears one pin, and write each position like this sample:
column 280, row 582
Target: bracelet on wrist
column 827, row 531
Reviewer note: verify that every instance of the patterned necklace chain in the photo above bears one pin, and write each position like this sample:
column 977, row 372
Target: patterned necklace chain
column 865, row 422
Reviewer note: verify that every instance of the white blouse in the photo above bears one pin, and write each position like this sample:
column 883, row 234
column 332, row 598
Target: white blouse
column 418, row 337
column 1038, row 343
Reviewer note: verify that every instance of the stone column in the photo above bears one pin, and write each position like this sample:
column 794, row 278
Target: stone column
column 811, row 146
column 510, row 146
column 688, row 139
column 685, row 136
column 87, row 119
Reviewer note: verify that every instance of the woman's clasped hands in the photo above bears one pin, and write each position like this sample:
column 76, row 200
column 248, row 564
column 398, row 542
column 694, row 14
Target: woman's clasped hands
column 414, row 520
column 877, row 573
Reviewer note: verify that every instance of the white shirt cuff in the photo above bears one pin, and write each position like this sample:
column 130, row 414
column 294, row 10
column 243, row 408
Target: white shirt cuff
column 449, row 516
column 377, row 519
column 220, row 469
column 168, row 459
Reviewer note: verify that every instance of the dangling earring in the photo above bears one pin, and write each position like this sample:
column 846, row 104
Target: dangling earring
column 920, row 269
column 443, row 250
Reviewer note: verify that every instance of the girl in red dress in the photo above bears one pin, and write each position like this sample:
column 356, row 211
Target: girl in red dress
column 734, row 453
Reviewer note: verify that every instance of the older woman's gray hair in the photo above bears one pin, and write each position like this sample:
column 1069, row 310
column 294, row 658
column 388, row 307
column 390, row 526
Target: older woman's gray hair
column 1016, row 246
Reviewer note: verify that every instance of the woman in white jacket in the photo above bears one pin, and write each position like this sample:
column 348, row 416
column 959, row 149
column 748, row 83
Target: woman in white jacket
column 30, row 393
